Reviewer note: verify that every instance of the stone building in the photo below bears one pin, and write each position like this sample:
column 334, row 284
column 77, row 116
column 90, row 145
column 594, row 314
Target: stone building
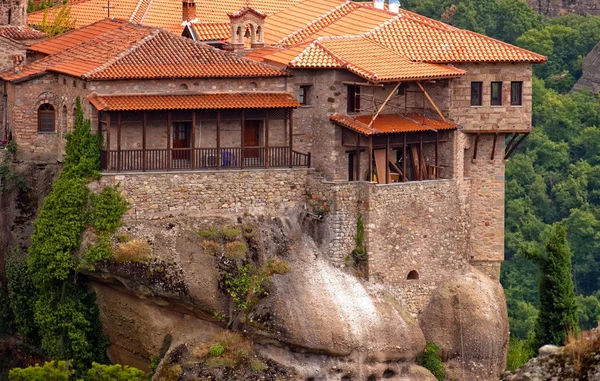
column 339, row 110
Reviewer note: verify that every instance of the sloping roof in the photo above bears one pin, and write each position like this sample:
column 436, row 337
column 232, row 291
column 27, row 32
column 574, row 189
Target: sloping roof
column 367, row 59
column 192, row 101
column 115, row 49
column 211, row 31
column 21, row 33
column 165, row 14
column 391, row 123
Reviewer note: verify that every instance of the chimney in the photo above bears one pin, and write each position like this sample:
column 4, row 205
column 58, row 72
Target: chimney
column 378, row 4
column 394, row 6
column 17, row 63
column 188, row 11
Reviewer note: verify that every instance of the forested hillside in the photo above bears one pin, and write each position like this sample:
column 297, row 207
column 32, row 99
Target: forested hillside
column 555, row 175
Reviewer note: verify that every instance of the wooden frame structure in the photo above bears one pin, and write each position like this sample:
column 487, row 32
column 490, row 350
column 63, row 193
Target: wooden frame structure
column 192, row 157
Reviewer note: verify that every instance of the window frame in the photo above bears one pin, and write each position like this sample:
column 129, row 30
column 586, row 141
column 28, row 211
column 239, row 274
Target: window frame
column 500, row 100
column 352, row 101
column 480, row 99
column 520, row 100
column 46, row 109
column 304, row 95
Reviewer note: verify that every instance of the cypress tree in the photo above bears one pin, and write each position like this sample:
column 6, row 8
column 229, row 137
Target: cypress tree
column 557, row 316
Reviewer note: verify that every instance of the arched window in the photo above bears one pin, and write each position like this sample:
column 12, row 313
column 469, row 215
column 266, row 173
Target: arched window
column 46, row 118
column 64, row 120
column 413, row 275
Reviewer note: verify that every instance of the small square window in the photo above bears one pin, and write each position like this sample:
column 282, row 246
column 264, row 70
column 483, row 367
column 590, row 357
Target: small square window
column 476, row 93
column 516, row 93
column 304, row 95
column 496, row 96
column 353, row 98
column 74, row 83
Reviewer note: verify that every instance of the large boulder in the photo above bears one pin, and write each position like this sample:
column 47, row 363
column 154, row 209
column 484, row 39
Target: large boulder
column 467, row 318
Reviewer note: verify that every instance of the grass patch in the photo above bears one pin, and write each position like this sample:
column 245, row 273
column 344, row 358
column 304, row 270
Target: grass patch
column 170, row 374
column 132, row 251
column 210, row 233
column 258, row 366
column 231, row 233
column 211, row 247
column 216, row 350
column 236, row 250
column 278, row 266
column 122, row 238
column 219, row 362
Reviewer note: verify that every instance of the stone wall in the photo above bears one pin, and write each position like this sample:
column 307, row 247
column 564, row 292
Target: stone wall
column 487, row 117
column 259, row 192
column 13, row 12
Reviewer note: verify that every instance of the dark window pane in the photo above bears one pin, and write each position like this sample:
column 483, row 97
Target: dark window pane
column 302, row 95
column 353, row 98
column 496, row 94
column 46, row 117
column 476, row 93
column 516, row 93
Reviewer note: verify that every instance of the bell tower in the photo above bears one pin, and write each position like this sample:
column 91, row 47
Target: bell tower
column 247, row 22
column 13, row 12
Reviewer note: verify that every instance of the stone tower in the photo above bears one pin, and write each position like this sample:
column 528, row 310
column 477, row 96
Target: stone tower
column 13, row 12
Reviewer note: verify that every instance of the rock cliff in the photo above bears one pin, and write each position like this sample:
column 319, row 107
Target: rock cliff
column 590, row 79
column 562, row 7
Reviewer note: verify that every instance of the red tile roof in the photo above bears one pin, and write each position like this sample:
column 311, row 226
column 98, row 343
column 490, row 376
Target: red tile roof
column 192, row 101
column 114, row 49
column 211, row 31
column 20, row 33
column 165, row 14
column 368, row 59
column 391, row 123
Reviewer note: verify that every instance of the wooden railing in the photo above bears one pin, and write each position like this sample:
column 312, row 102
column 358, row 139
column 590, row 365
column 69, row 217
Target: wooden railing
column 202, row 158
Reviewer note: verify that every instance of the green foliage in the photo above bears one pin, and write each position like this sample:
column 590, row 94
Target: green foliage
column 359, row 254
column 100, row 372
column 209, row 234
column 6, row 315
column 216, row 350
column 246, row 286
column 258, row 366
column 22, row 294
column 83, row 149
column 108, row 208
column 432, row 361
column 236, row 250
column 519, row 352
column 61, row 21
column 9, row 179
column 154, row 362
column 51, row 371
column 557, row 316
column 230, row 233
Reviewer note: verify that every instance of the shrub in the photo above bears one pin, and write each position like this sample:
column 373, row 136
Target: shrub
column 211, row 247
column 519, row 352
column 51, row 371
column 170, row 374
column 278, row 266
column 219, row 362
column 132, row 251
column 231, row 233
column 432, row 361
column 100, row 372
column 22, row 294
column 236, row 250
column 209, row 234
column 258, row 366
column 216, row 350
column 125, row 237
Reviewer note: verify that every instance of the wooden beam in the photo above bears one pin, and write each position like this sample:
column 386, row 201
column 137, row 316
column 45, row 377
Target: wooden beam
column 404, row 176
column 421, row 156
column 218, row 138
column 510, row 143
column 515, row 146
column 291, row 134
column 267, row 152
column 119, row 141
column 384, row 103
column 193, row 145
column 243, row 129
column 431, row 101
column 370, row 153
column 494, row 146
column 99, row 131
column 437, row 148
column 357, row 157
column 475, row 147
column 387, row 159
column 169, row 136
column 108, row 140
column 144, row 123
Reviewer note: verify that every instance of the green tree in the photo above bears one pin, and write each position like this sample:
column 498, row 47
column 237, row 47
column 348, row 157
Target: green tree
column 514, row 17
column 100, row 372
column 557, row 316
column 61, row 21
column 50, row 371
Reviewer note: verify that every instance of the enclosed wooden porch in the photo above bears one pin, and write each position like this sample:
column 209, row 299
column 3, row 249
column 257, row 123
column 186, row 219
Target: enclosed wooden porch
column 197, row 132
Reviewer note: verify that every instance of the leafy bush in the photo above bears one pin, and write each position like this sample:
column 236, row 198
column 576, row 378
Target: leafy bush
column 6, row 315
column 100, row 372
column 519, row 352
column 245, row 286
column 236, row 250
column 216, row 350
column 22, row 294
column 51, row 371
column 432, row 361
column 209, row 234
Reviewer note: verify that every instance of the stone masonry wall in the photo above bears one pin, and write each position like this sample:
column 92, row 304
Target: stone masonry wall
column 487, row 117
column 258, row 192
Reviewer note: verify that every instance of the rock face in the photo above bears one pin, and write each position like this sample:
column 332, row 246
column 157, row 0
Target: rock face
column 466, row 317
column 561, row 7
column 590, row 79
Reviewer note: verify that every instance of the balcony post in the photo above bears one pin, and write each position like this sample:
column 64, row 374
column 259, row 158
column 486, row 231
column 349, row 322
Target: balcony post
column 219, row 139
column 291, row 136
column 108, row 141
column 193, row 143
column 169, row 136
column 144, row 122
column 119, row 141
column 267, row 151
column 243, row 155
column 357, row 156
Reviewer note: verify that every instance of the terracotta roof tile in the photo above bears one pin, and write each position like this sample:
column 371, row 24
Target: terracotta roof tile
column 192, row 101
column 211, row 31
column 367, row 59
column 20, row 33
column 113, row 49
column 165, row 14
column 391, row 123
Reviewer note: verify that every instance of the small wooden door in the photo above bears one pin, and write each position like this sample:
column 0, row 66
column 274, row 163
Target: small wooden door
column 251, row 138
column 181, row 139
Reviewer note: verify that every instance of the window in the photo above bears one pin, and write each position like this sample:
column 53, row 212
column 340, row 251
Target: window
column 496, row 94
column 353, row 98
column 476, row 93
column 46, row 118
column 516, row 93
column 304, row 95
